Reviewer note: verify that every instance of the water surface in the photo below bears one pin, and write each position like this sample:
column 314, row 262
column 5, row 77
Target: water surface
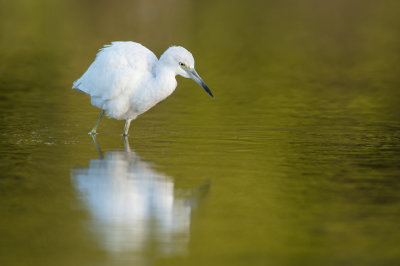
column 295, row 161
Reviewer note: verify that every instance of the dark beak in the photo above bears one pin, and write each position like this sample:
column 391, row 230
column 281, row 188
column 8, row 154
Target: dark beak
column 193, row 75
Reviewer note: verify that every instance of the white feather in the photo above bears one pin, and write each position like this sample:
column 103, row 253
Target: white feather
column 126, row 79
column 115, row 75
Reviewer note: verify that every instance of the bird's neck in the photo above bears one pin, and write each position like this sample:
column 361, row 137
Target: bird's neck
column 159, row 87
column 164, row 81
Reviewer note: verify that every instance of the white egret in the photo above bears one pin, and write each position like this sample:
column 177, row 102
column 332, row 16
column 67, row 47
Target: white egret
column 126, row 79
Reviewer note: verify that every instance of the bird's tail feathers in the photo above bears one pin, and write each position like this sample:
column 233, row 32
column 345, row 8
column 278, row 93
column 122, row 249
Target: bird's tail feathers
column 76, row 85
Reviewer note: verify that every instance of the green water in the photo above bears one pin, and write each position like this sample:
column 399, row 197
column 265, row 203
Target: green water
column 295, row 161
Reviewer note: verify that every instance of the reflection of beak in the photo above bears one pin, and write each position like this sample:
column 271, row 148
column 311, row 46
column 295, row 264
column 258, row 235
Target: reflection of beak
column 193, row 75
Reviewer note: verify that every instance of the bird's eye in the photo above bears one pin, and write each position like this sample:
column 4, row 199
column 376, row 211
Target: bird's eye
column 181, row 64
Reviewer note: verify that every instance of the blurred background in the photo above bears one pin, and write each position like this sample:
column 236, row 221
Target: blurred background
column 295, row 161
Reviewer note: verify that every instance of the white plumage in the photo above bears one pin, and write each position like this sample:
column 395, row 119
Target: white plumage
column 126, row 79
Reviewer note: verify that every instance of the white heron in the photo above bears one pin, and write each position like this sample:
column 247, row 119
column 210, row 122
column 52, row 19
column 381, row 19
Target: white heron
column 126, row 79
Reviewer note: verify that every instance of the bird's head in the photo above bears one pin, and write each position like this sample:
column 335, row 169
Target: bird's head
column 182, row 61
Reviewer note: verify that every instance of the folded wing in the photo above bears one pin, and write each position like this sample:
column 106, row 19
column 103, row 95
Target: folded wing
column 117, row 71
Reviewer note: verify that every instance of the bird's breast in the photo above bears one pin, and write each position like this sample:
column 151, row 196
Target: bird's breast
column 154, row 92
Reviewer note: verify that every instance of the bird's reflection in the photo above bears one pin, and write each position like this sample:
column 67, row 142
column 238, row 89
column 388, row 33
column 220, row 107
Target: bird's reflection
column 135, row 209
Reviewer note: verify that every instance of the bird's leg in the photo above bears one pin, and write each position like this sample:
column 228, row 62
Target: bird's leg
column 93, row 131
column 126, row 128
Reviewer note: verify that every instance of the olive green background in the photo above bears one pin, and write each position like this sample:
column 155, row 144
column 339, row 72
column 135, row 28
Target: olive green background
column 300, row 147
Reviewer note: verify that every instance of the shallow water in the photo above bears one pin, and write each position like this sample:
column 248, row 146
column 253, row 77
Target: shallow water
column 295, row 161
